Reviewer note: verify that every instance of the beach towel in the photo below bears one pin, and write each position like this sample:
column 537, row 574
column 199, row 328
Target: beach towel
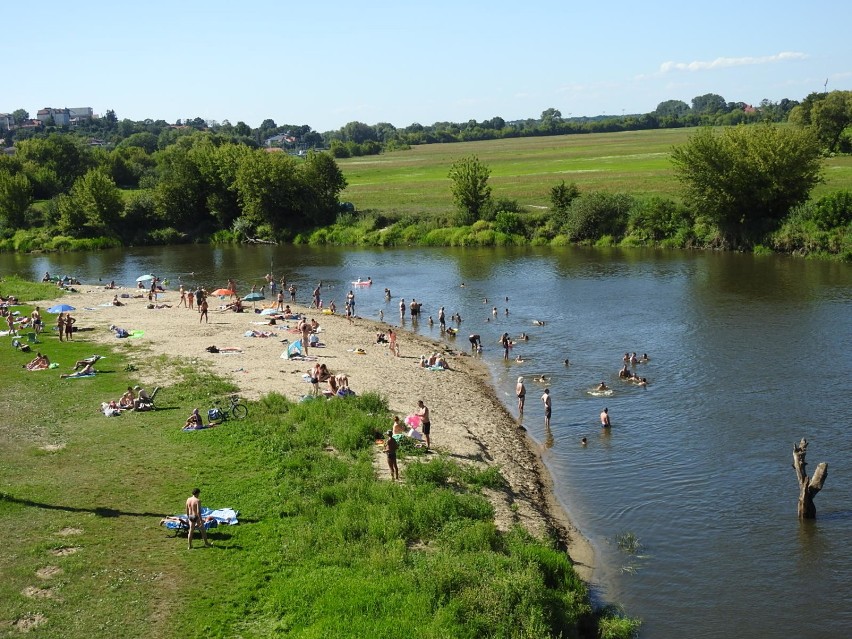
column 212, row 519
column 79, row 375
column 137, row 333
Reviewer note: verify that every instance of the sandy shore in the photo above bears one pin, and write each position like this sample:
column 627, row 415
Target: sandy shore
column 468, row 421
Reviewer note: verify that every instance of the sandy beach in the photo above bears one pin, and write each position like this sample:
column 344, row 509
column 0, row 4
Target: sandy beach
column 469, row 423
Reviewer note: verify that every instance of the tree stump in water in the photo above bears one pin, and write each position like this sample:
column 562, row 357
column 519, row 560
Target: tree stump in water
column 807, row 487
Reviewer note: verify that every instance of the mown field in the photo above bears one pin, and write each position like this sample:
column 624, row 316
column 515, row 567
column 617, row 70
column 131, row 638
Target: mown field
column 415, row 182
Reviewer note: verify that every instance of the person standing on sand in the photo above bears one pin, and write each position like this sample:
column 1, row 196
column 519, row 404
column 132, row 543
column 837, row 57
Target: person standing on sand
column 392, row 343
column 390, row 450
column 521, row 392
column 280, row 305
column 190, row 299
column 605, row 423
column 202, row 308
column 182, row 297
column 547, row 407
column 305, row 328
column 193, row 512
column 425, row 421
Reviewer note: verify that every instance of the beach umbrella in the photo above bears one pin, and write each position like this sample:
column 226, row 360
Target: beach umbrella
column 253, row 297
column 268, row 311
column 61, row 308
column 223, row 292
column 145, row 278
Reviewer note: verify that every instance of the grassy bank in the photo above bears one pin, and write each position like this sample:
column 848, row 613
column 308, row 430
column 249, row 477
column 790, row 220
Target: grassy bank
column 324, row 547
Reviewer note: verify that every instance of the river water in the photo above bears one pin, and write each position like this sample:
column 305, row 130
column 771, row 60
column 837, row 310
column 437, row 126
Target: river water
column 747, row 355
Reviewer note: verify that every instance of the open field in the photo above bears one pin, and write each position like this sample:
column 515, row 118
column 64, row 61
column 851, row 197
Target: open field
column 415, row 182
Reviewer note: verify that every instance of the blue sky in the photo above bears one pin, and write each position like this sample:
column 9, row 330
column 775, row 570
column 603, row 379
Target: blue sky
column 328, row 63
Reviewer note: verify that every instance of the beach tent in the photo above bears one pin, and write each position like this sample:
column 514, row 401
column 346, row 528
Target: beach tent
column 293, row 350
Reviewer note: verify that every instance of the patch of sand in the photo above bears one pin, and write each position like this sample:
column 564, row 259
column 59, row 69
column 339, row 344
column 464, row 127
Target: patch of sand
column 468, row 420
column 30, row 622
column 65, row 551
column 38, row 593
column 69, row 531
column 48, row 572
column 52, row 448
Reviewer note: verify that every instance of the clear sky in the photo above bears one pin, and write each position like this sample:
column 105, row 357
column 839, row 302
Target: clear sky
column 331, row 62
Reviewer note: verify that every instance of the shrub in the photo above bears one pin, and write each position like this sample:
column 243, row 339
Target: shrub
column 654, row 219
column 597, row 214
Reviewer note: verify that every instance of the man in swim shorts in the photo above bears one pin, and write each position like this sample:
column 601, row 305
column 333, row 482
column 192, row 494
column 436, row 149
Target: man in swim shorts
column 521, row 392
column 193, row 512
column 475, row 341
column 425, row 422
column 547, row 407
column 605, row 418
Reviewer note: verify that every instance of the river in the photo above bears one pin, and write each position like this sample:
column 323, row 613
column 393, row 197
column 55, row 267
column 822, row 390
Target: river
column 747, row 355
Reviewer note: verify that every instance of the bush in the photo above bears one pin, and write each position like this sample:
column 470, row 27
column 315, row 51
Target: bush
column 597, row 214
column 654, row 219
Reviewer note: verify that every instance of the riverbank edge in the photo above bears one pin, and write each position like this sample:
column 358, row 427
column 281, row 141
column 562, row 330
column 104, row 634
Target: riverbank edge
column 531, row 488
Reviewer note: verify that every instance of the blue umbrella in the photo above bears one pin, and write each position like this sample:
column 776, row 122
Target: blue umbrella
column 144, row 278
column 61, row 308
column 268, row 311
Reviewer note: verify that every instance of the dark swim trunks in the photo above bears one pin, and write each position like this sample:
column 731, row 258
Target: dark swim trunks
column 547, row 412
column 427, row 427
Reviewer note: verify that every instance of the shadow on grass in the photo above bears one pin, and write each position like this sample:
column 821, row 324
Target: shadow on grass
column 100, row 511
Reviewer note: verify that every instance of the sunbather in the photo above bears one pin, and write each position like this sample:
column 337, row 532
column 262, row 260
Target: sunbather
column 194, row 421
column 89, row 360
column 86, row 371
column 39, row 363
column 127, row 400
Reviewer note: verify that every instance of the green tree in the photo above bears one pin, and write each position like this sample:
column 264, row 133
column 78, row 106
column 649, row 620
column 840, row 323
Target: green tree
column 66, row 156
column 708, row 104
column 93, row 207
column 747, row 178
column 672, row 108
column 242, row 129
column 561, row 197
column 830, row 117
column 270, row 190
column 19, row 115
column 325, row 181
column 470, row 189
column 15, row 199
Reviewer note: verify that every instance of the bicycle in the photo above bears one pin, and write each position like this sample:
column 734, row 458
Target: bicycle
column 235, row 410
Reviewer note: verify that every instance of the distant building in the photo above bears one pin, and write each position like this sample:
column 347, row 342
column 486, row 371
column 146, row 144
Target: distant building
column 83, row 113
column 61, row 117
column 281, row 139
column 6, row 121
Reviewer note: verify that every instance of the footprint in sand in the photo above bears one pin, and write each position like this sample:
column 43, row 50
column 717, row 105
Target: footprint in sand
column 48, row 572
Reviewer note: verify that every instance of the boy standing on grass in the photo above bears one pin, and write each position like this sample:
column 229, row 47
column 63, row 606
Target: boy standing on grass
column 390, row 450
column 193, row 511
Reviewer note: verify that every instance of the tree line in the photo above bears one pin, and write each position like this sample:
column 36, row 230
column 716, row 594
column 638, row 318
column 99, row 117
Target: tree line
column 57, row 189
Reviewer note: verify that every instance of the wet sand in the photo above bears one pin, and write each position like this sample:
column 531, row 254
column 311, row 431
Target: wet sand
column 469, row 423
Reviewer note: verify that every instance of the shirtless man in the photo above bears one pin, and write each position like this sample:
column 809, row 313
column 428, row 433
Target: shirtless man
column 390, row 450
column 425, row 422
column 69, row 327
column 442, row 320
column 36, row 319
column 402, row 308
column 547, row 407
column 605, row 418
column 202, row 309
column 193, row 512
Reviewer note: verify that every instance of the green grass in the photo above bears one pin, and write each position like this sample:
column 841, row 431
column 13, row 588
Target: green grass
column 415, row 182
column 325, row 549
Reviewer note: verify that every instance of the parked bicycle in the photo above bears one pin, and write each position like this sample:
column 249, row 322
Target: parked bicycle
column 235, row 409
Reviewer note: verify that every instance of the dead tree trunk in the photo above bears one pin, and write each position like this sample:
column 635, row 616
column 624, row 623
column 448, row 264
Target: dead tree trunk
column 807, row 487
